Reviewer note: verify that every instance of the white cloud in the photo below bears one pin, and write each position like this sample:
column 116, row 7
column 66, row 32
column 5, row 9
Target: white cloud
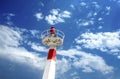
column 35, row 33
column 100, row 27
column 10, row 40
column 9, row 37
column 96, row 5
column 83, row 4
column 42, row 4
column 55, row 11
column 39, row 16
column 37, row 47
column 85, row 22
column 21, row 55
column 65, row 14
column 75, row 75
column 95, row 13
column 90, row 62
column 87, row 62
column 52, row 19
column 108, row 9
column 63, row 66
column 118, row 1
column 99, row 19
column 104, row 41
column 88, row 19
column 57, row 16
column 118, row 57
column 9, row 16
column 72, row 6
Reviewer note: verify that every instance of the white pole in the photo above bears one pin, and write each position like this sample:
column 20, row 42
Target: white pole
column 49, row 72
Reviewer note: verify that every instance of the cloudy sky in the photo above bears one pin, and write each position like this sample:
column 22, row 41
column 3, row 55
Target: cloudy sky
column 91, row 48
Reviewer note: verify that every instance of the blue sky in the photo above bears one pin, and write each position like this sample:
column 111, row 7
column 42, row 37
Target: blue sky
column 91, row 48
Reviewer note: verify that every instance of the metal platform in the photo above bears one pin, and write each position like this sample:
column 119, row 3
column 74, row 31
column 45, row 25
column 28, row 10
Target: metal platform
column 52, row 40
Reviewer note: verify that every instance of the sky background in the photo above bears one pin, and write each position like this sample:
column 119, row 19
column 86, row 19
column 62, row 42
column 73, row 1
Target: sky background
column 91, row 48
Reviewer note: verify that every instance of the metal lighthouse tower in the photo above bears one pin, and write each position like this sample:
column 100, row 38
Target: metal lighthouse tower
column 51, row 38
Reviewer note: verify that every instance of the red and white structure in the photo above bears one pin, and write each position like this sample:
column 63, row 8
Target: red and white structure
column 52, row 38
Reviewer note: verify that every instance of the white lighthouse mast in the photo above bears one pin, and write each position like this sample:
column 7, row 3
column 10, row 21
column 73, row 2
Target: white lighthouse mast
column 52, row 38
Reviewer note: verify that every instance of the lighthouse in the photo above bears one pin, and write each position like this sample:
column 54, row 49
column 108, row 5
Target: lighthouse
column 51, row 38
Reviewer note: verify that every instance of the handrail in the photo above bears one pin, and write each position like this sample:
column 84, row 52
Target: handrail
column 58, row 33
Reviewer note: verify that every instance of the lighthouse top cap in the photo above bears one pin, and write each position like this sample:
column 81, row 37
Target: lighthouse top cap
column 52, row 37
column 52, row 26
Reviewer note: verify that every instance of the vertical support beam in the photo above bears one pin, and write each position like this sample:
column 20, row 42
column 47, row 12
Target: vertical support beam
column 49, row 72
